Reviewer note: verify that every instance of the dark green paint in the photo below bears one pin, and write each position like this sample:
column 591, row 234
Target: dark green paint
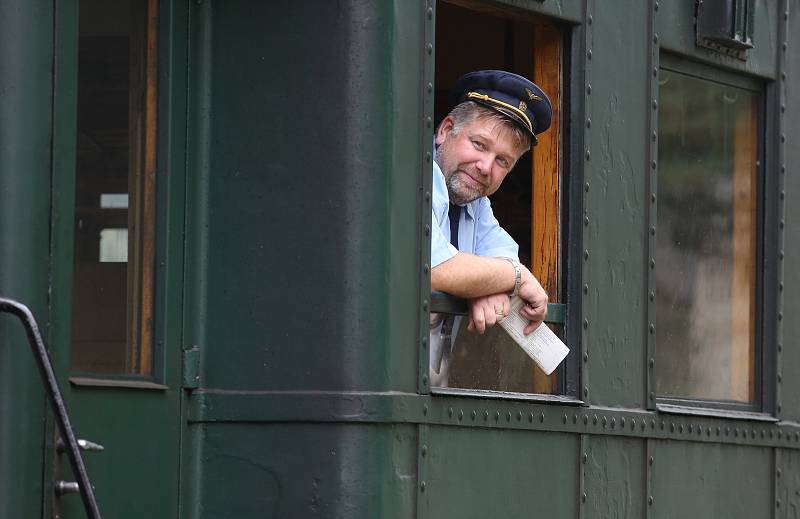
column 614, row 478
column 26, row 80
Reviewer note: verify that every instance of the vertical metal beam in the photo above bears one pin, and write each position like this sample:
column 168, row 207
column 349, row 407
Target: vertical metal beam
column 588, row 21
column 652, row 167
column 426, row 163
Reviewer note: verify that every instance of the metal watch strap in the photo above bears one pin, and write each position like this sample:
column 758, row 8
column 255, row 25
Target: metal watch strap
column 517, row 275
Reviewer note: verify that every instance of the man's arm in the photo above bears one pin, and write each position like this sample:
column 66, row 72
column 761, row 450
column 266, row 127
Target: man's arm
column 469, row 276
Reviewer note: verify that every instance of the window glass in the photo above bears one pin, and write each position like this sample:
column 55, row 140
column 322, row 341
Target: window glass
column 114, row 188
column 706, row 242
column 529, row 203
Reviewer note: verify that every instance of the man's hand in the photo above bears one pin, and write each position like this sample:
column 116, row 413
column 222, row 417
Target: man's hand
column 486, row 311
column 536, row 298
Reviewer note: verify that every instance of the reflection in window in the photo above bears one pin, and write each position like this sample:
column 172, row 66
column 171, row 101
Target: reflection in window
column 114, row 189
column 706, row 241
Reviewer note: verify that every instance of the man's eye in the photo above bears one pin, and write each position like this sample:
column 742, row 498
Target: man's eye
column 478, row 145
column 503, row 162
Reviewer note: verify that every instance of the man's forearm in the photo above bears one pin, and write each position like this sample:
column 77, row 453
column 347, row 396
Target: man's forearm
column 466, row 275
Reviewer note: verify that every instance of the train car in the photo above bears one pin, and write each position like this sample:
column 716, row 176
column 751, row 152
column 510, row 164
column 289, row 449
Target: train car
column 219, row 214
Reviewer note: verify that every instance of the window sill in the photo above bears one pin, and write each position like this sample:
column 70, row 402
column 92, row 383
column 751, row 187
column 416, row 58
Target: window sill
column 715, row 413
column 119, row 383
column 505, row 395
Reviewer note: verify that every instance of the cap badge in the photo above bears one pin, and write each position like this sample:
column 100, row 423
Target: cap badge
column 532, row 96
column 522, row 106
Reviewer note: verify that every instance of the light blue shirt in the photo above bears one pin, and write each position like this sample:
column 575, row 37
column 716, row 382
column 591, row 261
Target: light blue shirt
column 479, row 232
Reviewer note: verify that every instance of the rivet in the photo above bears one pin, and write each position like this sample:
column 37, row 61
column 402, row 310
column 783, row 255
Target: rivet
column 508, row 416
column 585, row 357
column 652, row 422
column 426, row 268
column 541, row 417
column 655, row 105
column 690, row 428
column 783, row 75
column 786, row 15
column 485, row 416
column 780, row 254
column 585, row 392
column 589, row 54
column 589, row 123
column 652, row 263
column 613, row 422
column 778, row 503
column 585, row 323
column 586, row 288
column 427, row 230
column 633, row 423
column 586, row 254
column 653, row 165
column 430, row 48
column 564, row 419
column 605, row 421
column 672, row 428
column 622, row 422
column 583, row 497
column 699, row 430
column 530, row 417
column 655, row 6
column 425, row 409
column 652, row 231
column 763, row 433
column 424, row 342
column 590, row 19
column 428, row 157
column 586, row 187
column 736, row 432
column 422, row 487
column 650, row 500
column 780, row 287
column 424, row 380
column 497, row 416
column 744, row 433
column 708, row 431
column 588, row 155
column 519, row 416
column 652, row 296
column 655, row 38
column 428, row 121
column 783, row 108
column 780, row 408
column 780, row 434
column 780, row 347
column 662, row 424
column 783, row 168
column 783, row 194
column 655, row 71
column 588, row 88
column 474, row 415
column 718, row 431
column 450, row 412
column 783, row 224
column 585, row 419
column 650, row 460
column 785, row 46
column 652, row 328
column 652, row 397
column 574, row 418
column 654, row 136
column 652, row 362
column 652, row 198
column 585, row 457
column 780, row 316
column 429, row 88
column 594, row 419
column 780, row 378
column 460, row 415
column 680, row 428
column 427, row 196
column 727, row 431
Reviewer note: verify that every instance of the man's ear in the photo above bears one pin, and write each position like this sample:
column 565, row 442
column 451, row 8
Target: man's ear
column 444, row 129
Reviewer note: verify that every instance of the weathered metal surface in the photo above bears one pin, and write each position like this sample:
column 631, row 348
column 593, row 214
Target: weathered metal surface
column 26, row 77
column 689, row 480
column 491, row 473
column 676, row 25
column 615, row 243
column 787, row 484
column 301, row 470
column 310, row 209
column 614, row 478
column 788, row 169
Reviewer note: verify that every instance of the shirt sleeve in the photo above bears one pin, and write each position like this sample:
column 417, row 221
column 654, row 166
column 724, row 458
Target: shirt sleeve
column 441, row 249
column 490, row 239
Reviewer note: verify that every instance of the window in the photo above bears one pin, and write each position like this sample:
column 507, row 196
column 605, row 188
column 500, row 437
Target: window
column 114, row 189
column 707, row 252
column 531, row 201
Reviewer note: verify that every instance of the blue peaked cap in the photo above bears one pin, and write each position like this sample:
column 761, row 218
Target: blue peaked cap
column 510, row 94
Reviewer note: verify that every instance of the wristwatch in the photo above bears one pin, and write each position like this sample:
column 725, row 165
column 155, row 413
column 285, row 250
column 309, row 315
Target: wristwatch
column 517, row 275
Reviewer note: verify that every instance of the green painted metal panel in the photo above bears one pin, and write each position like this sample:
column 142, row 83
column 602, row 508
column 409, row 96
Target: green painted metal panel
column 570, row 10
column 689, row 480
column 614, row 478
column 499, row 473
column 26, row 81
column 676, row 30
column 615, row 204
column 790, row 385
column 303, row 470
column 787, row 484
column 304, row 173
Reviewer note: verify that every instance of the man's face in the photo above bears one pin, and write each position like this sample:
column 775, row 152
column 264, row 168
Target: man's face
column 476, row 159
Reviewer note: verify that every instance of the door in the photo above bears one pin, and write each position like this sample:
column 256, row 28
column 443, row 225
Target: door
column 115, row 334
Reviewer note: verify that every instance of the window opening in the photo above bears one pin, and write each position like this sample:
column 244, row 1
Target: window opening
column 529, row 204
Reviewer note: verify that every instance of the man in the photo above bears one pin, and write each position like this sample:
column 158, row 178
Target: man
column 496, row 117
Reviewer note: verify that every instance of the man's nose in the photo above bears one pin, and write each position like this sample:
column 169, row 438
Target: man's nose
column 485, row 162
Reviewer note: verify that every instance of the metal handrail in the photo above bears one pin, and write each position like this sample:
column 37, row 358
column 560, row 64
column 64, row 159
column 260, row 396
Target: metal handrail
column 54, row 393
